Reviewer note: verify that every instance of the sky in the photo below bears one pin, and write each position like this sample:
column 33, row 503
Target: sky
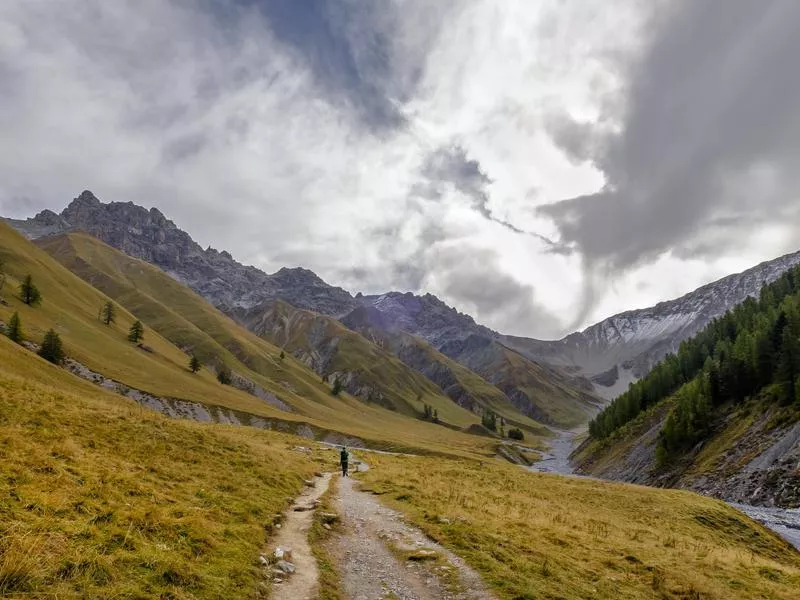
column 538, row 165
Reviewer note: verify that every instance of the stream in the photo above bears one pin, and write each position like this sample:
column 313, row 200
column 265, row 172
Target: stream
column 783, row 521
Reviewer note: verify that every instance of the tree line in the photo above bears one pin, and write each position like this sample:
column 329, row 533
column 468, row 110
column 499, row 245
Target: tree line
column 753, row 349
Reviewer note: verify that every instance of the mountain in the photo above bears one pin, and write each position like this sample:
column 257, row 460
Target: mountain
column 610, row 354
column 721, row 416
column 78, row 273
column 544, row 393
column 537, row 391
column 625, row 347
column 150, row 236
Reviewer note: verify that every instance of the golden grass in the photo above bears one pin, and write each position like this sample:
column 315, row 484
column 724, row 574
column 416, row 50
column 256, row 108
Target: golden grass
column 543, row 536
column 100, row 498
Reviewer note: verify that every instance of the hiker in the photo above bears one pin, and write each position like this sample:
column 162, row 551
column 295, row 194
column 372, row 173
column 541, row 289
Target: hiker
column 344, row 457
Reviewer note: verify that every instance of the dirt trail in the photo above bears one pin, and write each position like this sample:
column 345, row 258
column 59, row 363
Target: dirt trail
column 301, row 585
column 370, row 570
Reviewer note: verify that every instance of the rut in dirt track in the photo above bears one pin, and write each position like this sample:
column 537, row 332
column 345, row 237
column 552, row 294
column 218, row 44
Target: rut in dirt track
column 304, row 583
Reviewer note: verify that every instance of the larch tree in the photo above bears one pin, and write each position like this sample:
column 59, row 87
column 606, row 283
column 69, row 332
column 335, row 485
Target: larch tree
column 136, row 332
column 28, row 292
column 14, row 329
column 108, row 313
column 52, row 350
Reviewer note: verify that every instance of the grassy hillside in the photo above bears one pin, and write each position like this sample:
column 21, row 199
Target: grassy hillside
column 101, row 498
column 547, row 395
column 543, row 536
column 365, row 369
column 186, row 321
column 463, row 386
column 71, row 307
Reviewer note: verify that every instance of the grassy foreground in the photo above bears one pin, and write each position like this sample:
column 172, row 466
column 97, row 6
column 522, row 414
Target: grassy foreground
column 544, row 536
column 100, row 498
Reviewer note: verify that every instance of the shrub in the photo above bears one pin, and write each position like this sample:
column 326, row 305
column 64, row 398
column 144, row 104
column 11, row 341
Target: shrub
column 224, row 375
column 516, row 434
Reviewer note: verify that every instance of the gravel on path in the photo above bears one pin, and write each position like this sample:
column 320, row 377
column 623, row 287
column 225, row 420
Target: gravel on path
column 367, row 556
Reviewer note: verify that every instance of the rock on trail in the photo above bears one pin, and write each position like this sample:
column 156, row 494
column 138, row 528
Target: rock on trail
column 367, row 556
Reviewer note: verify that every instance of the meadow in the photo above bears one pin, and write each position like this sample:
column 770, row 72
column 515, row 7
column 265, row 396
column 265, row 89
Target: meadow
column 537, row 536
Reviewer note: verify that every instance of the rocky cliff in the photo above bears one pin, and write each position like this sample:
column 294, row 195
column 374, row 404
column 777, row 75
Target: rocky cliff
column 215, row 275
column 751, row 456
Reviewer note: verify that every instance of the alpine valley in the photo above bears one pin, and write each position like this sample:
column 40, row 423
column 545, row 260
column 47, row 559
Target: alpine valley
column 411, row 354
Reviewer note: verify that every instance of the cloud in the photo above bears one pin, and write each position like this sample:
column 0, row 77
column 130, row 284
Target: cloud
column 708, row 142
column 473, row 277
column 450, row 165
column 376, row 142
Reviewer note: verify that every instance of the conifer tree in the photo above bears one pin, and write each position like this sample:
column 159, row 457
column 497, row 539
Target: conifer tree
column 136, row 332
column 194, row 364
column 52, row 349
column 2, row 274
column 28, row 292
column 14, row 329
column 107, row 313
column 337, row 387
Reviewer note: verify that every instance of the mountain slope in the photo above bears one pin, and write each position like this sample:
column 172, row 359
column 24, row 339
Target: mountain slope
column 71, row 306
column 379, row 371
column 723, row 415
column 546, row 394
column 623, row 348
column 363, row 368
column 540, row 393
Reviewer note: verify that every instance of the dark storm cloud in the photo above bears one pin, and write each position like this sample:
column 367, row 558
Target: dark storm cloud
column 578, row 140
column 350, row 46
column 711, row 131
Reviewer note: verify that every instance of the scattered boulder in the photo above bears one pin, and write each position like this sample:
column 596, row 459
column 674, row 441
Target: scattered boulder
column 283, row 554
column 285, row 567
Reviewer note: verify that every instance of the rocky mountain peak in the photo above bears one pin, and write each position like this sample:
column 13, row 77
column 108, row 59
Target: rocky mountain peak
column 149, row 235
column 87, row 197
